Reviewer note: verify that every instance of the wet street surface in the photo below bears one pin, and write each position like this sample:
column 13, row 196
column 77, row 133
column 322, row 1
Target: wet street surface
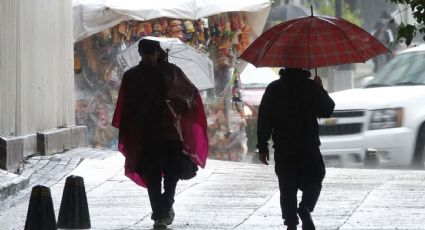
column 227, row 195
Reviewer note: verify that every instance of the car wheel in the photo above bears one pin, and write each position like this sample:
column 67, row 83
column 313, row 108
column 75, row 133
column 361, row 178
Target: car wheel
column 419, row 155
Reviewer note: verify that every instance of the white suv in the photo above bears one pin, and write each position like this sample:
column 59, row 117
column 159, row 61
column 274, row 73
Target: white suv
column 386, row 118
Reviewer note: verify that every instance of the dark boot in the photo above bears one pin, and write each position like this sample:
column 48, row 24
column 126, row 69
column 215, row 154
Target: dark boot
column 159, row 224
column 292, row 227
column 170, row 217
column 305, row 217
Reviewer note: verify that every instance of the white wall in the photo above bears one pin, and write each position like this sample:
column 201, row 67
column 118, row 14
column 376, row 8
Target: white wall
column 36, row 66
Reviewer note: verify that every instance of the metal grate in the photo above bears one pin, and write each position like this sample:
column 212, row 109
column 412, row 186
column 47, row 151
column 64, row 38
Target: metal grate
column 351, row 113
column 340, row 129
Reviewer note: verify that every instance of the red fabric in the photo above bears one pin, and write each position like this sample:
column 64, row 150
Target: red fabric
column 194, row 129
column 116, row 122
column 311, row 42
column 193, row 124
column 116, row 119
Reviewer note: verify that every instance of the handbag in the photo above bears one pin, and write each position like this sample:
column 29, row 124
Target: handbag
column 187, row 169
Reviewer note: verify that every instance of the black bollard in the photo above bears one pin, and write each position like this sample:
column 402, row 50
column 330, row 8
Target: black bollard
column 74, row 210
column 41, row 214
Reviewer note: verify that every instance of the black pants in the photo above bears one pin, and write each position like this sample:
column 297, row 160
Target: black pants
column 160, row 164
column 303, row 170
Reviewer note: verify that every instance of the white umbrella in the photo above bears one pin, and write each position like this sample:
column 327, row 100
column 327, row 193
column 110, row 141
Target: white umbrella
column 196, row 65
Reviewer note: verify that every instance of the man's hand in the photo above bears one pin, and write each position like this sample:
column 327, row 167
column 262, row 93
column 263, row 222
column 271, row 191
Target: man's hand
column 318, row 80
column 264, row 158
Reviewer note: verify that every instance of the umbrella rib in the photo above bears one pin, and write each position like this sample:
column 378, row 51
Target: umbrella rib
column 274, row 40
column 176, row 50
column 183, row 58
column 260, row 57
column 345, row 35
column 352, row 43
column 362, row 55
column 202, row 69
column 308, row 42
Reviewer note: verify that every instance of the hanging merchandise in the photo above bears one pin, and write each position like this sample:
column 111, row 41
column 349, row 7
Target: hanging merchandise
column 122, row 28
column 176, row 29
column 141, row 29
column 221, row 29
column 244, row 36
column 98, row 76
column 214, row 26
column 157, row 28
column 234, row 22
column 164, row 25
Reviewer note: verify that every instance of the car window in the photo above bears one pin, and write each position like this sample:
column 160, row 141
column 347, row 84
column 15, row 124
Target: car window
column 257, row 78
column 404, row 69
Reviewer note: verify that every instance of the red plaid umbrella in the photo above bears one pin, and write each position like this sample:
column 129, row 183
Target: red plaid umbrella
column 312, row 42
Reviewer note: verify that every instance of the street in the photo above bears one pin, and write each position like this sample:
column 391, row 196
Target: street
column 227, row 195
column 82, row 78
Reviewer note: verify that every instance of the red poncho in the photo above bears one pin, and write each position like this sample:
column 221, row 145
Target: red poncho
column 141, row 109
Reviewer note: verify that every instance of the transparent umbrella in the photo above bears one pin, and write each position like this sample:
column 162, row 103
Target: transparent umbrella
column 287, row 12
column 196, row 65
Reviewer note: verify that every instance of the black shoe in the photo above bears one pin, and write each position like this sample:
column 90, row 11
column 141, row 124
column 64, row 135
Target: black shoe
column 170, row 217
column 292, row 227
column 159, row 224
column 305, row 217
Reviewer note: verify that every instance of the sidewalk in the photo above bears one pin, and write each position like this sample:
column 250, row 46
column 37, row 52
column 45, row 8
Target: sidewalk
column 227, row 195
column 45, row 170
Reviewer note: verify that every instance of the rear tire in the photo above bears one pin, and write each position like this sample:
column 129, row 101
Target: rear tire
column 419, row 154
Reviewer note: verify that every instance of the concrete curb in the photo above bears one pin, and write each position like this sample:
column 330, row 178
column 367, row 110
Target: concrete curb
column 38, row 169
column 11, row 184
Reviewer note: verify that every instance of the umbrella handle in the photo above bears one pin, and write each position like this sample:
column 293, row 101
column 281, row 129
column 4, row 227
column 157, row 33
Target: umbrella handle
column 317, row 78
column 167, row 51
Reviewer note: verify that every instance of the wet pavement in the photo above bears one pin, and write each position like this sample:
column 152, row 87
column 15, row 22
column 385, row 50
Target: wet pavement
column 224, row 195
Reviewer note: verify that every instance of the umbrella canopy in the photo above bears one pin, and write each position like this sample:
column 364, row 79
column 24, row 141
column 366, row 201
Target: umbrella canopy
column 196, row 65
column 312, row 42
column 287, row 12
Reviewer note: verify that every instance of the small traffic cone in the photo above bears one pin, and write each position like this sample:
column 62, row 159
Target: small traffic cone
column 41, row 214
column 74, row 210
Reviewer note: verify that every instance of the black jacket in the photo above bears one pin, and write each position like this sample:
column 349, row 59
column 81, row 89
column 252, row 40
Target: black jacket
column 289, row 110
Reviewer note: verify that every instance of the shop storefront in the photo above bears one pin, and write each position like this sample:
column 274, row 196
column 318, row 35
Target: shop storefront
column 222, row 36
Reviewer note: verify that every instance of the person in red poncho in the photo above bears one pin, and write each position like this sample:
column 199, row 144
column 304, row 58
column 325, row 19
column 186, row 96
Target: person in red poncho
column 160, row 117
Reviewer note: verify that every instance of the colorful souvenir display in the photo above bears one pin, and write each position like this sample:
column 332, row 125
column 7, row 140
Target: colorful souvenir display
column 225, row 143
column 98, row 75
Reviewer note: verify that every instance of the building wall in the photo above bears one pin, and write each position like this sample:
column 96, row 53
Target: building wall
column 36, row 66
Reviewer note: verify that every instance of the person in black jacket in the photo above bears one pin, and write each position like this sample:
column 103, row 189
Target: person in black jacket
column 288, row 113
